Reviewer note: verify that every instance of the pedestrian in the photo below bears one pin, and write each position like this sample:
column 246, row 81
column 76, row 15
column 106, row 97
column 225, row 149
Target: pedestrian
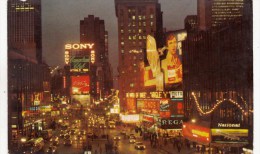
column 179, row 147
column 198, row 148
column 100, row 150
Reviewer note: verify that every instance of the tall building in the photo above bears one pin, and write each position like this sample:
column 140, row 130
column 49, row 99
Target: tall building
column 136, row 19
column 218, row 81
column 191, row 22
column 215, row 13
column 24, row 27
column 92, row 30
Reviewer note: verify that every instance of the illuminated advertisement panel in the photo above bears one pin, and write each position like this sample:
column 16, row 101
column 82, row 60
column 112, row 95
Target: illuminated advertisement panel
column 229, row 135
column 79, row 63
column 196, row 133
column 83, row 100
column 163, row 66
column 132, row 118
column 151, row 106
column 171, row 108
column 131, row 105
column 80, row 85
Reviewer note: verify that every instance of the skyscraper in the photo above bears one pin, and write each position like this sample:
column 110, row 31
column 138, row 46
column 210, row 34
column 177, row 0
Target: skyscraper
column 24, row 27
column 215, row 13
column 136, row 19
column 92, row 30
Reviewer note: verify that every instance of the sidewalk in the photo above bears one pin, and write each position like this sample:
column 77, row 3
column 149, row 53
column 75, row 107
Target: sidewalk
column 169, row 149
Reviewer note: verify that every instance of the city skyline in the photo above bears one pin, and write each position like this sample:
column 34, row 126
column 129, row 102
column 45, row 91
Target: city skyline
column 65, row 29
column 202, row 79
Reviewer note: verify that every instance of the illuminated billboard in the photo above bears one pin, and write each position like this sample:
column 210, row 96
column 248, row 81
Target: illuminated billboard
column 80, row 85
column 196, row 133
column 149, row 106
column 79, row 63
column 131, row 118
column 131, row 105
column 163, row 67
column 83, row 100
column 229, row 135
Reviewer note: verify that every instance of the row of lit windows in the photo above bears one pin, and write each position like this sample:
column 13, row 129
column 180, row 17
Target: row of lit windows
column 136, row 37
column 141, row 17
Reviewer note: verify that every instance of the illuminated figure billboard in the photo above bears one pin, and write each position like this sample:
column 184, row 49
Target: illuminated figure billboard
column 164, row 66
column 80, row 85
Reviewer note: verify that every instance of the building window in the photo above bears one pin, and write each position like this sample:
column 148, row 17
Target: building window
column 122, row 51
column 133, row 17
column 143, row 17
column 151, row 23
column 139, row 30
column 122, row 31
column 144, row 37
column 129, row 37
column 140, row 17
column 134, row 37
column 122, row 43
column 132, row 85
column 144, row 23
column 129, row 31
column 151, row 16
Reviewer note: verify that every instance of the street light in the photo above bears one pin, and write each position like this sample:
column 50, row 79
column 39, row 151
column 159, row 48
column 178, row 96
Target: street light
column 193, row 120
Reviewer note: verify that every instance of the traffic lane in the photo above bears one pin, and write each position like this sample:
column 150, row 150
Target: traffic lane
column 124, row 147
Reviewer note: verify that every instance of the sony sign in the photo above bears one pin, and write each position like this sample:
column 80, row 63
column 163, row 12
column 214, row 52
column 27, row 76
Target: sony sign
column 79, row 46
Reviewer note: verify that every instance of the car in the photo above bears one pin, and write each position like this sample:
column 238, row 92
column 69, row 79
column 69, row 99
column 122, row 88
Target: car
column 52, row 149
column 132, row 139
column 55, row 142
column 78, row 137
column 90, row 134
column 102, row 126
column 54, row 138
column 82, row 132
column 68, row 142
column 66, row 136
column 123, row 132
column 139, row 146
column 117, row 137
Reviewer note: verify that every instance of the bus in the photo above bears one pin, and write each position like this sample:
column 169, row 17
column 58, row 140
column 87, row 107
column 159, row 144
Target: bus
column 35, row 145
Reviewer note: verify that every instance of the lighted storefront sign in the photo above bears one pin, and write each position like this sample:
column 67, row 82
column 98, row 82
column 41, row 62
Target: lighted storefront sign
column 229, row 135
column 114, row 111
column 156, row 94
column 80, row 85
column 227, row 125
column 79, row 64
column 132, row 118
column 148, row 118
column 171, row 123
column 196, row 133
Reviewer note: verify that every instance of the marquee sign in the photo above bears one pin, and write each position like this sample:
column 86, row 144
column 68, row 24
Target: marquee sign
column 156, row 94
column 79, row 64
column 171, row 123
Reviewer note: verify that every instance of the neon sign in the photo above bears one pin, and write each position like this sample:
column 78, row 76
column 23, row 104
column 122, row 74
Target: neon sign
column 92, row 56
column 79, row 46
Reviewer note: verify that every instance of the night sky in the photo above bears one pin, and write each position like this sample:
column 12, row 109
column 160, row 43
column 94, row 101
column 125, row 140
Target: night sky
column 61, row 18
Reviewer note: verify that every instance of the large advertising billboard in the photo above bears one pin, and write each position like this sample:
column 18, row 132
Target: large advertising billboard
column 163, row 66
column 229, row 135
column 131, row 105
column 80, row 85
column 79, row 63
column 196, row 133
column 149, row 106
